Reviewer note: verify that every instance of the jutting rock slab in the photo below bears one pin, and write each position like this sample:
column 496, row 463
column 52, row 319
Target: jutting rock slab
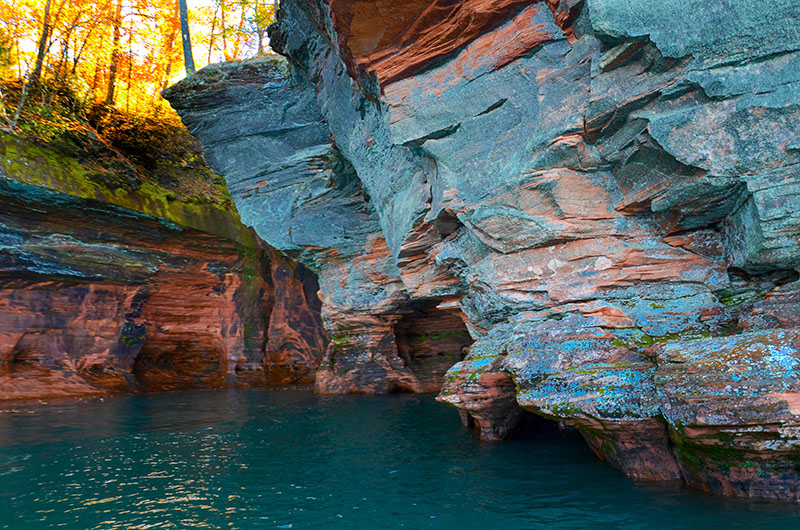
column 606, row 193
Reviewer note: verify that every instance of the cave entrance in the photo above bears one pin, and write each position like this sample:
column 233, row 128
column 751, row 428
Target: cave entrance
column 171, row 361
column 26, row 360
column 431, row 340
column 518, row 423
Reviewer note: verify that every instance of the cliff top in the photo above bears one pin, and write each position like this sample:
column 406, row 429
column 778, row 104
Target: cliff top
column 147, row 164
column 220, row 76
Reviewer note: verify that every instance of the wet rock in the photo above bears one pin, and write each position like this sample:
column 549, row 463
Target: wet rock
column 582, row 182
column 731, row 404
column 485, row 399
column 574, row 370
column 95, row 298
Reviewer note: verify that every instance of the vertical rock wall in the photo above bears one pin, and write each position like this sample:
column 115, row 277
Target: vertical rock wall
column 605, row 192
column 98, row 298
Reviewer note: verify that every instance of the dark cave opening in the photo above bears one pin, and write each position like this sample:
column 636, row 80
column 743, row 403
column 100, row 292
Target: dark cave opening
column 26, row 359
column 431, row 340
column 521, row 425
column 179, row 361
column 532, row 425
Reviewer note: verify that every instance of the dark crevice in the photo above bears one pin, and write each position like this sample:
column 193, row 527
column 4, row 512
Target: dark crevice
column 435, row 135
column 176, row 361
column 531, row 425
column 494, row 106
column 447, row 223
column 26, row 359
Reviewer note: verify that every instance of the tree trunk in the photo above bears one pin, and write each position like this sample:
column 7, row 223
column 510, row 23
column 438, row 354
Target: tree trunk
column 37, row 70
column 224, row 30
column 112, row 75
column 262, row 19
column 19, row 62
column 3, row 114
column 130, row 68
column 174, row 23
column 211, row 36
column 238, row 43
column 188, row 60
column 79, row 50
column 61, row 66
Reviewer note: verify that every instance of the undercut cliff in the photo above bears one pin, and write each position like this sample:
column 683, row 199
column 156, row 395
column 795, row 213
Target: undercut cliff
column 585, row 209
column 111, row 282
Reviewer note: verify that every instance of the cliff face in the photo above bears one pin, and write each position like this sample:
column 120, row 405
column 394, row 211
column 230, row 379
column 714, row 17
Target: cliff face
column 97, row 297
column 606, row 193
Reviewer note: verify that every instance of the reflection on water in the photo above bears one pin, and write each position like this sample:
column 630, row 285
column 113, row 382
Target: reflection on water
column 288, row 459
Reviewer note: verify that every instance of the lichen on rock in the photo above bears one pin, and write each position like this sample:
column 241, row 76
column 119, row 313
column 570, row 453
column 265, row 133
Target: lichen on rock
column 128, row 288
column 591, row 186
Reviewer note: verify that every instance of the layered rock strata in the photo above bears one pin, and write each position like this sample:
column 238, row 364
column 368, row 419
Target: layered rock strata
column 605, row 192
column 99, row 298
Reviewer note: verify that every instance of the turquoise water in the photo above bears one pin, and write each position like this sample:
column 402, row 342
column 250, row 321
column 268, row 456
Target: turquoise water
column 289, row 459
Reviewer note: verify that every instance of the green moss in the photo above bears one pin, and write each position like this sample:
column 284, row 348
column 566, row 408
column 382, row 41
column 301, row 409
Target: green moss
column 251, row 262
column 640, row 339
column 250, row 294
column 439, row 336
column 130, row 340
column 564, row 409
column 717, row 450
column 733, row 299
column 340, row 340
column 28, row 162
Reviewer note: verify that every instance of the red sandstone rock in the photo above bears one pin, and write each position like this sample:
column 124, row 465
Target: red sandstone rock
column 638, row 449
column 604, row 183
column 732, row 408
column 394, row 40
column 487, row 402
column 145, row 306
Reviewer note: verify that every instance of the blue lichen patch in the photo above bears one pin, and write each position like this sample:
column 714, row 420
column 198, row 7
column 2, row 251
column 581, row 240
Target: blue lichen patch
column 731, row 381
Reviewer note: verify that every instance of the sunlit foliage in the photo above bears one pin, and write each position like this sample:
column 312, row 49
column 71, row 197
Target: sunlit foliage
column 115, row 53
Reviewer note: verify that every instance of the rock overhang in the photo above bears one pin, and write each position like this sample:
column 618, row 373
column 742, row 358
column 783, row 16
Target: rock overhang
column 612, row 181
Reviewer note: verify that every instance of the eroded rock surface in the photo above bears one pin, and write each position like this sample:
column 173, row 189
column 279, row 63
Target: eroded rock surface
column 99, row 298
column 596, row 188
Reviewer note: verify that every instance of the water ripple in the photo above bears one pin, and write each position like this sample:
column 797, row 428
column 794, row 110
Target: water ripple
column 260, row 459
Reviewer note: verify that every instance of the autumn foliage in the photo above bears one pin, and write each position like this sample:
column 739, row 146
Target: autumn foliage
column 64, row 58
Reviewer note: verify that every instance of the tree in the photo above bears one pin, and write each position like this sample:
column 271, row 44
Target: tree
column 3, row 113
column 263, row 16
column 173, row 29
column 43, row 45
column 119, row 52
column 211, row 35
column 112, row 75
column 37, row 71
column 188, row 60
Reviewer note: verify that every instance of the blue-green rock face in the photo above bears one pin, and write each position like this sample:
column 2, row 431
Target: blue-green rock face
column 716, row 32
column 584, row 182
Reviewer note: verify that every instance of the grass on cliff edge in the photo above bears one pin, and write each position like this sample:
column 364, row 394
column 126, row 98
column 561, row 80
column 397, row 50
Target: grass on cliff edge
column 121, row 152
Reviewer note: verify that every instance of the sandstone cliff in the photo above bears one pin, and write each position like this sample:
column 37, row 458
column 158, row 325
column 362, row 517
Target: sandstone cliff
column 605, row 193
column 117, row 286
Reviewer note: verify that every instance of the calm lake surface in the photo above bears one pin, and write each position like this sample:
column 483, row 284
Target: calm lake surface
column 290, row 459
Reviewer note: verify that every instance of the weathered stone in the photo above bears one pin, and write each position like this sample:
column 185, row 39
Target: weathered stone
column 482, row 389
column 96, row 298
column 733, row 408
column 581, row 182
column 764, row 233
